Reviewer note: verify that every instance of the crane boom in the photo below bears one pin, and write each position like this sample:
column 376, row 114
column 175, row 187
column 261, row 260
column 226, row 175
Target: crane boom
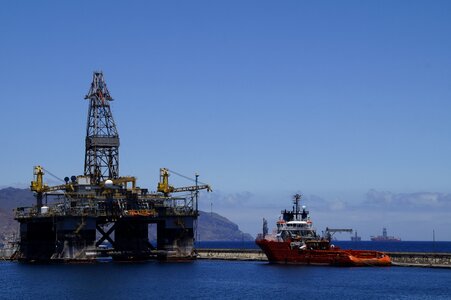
column 333, row 230
column 192, row 188
column 165, row 188
column 330, row 232
column 39, row 187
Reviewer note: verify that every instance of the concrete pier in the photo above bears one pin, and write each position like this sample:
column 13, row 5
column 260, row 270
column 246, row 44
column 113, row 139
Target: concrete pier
column 404, row 259
column 401, row 259
column 416, row 259
column 232, row 254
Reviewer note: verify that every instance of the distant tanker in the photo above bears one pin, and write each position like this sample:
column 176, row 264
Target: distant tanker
column 384, row 237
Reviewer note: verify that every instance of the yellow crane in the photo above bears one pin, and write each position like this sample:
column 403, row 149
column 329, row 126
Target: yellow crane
column 38, row 186
column 165, row 188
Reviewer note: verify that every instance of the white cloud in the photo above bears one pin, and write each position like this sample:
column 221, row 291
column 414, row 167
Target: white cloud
column 399, row 212
column 407, row 201
column 229, row 200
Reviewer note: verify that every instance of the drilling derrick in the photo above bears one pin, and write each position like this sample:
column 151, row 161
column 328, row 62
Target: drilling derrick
column 100, row 213
column 102, row 138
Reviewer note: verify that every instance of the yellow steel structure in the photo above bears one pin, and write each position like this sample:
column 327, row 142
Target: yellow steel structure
column 163, row 185
column 123, row 181
column 37, row 184
column 165, row 188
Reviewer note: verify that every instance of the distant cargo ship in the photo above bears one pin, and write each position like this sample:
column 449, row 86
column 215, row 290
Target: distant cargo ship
column 384, row 237
column 356, row 238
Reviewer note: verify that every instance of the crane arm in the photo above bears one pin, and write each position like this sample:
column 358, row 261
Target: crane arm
column 38, row 186
column 192, row 188
column 330, row 231
column 165, row 188
column 333, row 230
column 62, row 187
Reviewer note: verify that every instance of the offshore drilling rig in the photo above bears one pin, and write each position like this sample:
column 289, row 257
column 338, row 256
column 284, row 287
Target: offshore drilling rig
column 101, row 213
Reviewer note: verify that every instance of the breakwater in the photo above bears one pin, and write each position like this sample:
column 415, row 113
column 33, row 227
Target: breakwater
column 405, row 259
column 232, row 254
column 5, row 254
column 416, row 259
column 402, row 259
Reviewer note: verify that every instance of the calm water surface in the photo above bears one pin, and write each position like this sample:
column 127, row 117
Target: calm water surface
column 205, row 279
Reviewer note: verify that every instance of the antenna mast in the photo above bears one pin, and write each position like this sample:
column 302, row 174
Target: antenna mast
column 296, row 199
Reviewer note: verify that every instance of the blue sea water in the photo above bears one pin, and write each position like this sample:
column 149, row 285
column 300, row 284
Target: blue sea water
column 207, row 279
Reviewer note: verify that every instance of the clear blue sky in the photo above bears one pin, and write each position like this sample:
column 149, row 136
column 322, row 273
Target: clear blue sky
column 262, row 98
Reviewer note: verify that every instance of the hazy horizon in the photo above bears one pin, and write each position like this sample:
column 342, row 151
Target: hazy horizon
column 378, row 209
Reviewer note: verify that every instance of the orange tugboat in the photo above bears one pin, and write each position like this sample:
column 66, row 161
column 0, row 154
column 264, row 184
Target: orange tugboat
column 296, row 242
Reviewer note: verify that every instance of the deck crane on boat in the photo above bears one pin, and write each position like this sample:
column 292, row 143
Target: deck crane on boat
column 331, row 231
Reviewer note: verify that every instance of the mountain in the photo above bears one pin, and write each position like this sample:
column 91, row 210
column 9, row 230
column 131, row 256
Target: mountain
column 11, row 198
column 210, row 226
column 214, row 227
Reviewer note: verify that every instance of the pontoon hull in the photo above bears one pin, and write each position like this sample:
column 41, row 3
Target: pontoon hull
column 286, row 253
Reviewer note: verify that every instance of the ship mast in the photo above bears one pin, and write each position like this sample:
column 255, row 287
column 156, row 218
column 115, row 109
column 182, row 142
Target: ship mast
column 296, row 199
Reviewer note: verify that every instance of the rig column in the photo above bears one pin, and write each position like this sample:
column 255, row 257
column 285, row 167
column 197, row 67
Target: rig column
column 175, row 236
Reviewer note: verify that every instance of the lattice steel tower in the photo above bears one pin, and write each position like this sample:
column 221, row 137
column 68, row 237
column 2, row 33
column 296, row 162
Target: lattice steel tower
column 102, row 138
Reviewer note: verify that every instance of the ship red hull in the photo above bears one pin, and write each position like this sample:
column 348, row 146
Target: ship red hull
column 284, row 253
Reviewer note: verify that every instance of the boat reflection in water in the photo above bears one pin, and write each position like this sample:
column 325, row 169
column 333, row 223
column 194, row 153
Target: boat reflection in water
column 296, row 242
